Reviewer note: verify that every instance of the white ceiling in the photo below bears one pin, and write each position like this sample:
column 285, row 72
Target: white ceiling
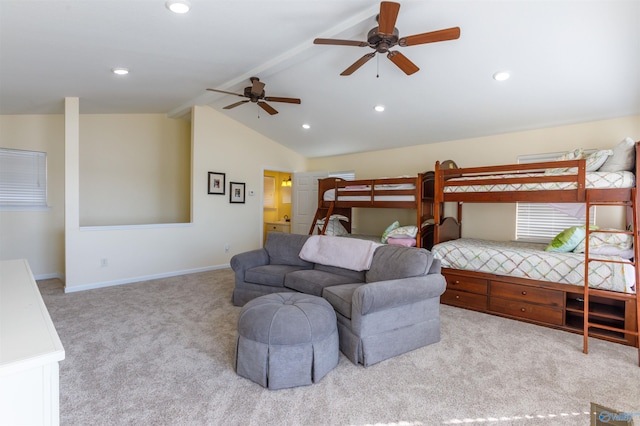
column 571, row 61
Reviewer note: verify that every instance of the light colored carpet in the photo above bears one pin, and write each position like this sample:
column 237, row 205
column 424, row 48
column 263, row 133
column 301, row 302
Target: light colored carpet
column 160, row 353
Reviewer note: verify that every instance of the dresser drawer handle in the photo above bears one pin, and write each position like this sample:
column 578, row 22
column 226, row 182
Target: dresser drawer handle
column 524, row 293
column 523, row 310
column 456, row 282
column 457, row 297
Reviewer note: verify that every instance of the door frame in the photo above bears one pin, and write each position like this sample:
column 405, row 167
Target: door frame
column 271, row 169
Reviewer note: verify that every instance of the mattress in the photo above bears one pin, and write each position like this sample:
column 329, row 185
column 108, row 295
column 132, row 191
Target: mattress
column 330, row 195
column 593, row 180
column 529, row 260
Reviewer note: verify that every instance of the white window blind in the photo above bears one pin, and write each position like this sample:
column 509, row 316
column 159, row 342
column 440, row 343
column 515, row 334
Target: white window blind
column 346, row 175
column 541, row 221
column 23, row 179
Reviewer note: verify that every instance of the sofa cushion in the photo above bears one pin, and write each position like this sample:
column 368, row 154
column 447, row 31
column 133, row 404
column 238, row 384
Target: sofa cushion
column 340, row 296
column 271, row 275
column 396, row 262
column 354, row 276
column 284, row 248
column 313, row 281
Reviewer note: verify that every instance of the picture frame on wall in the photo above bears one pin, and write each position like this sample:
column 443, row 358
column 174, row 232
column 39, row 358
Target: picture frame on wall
column 236, row 192
column 216, row 183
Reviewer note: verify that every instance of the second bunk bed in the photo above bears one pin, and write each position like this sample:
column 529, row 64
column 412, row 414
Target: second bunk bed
column 338, row 197
column 581, row 290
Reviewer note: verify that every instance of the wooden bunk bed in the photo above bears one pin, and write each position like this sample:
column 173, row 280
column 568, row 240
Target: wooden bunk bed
column 611, row 315
column 337, row 196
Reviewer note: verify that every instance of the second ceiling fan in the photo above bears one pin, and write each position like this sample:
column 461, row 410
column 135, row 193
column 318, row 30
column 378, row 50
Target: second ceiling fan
column 255, row 93
column 385, row 36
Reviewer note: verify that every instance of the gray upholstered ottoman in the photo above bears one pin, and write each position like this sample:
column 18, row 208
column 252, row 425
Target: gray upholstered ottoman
column 286, row 340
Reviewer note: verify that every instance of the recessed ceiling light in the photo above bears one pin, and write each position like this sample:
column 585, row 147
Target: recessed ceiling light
column 306, row 126
column 178, row 6
column 120, row 71
column 379, row 108
column 501, row 76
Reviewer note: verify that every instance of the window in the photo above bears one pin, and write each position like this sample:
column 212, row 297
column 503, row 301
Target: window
column 542, row 222
column 23, row 179
column 347, row 175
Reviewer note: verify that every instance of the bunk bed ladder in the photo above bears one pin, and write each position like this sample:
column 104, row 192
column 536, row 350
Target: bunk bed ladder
column 322, row 212
column 588, row 291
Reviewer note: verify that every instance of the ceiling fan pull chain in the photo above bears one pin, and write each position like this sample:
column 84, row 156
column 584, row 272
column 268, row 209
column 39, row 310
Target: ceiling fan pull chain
column 377, row 66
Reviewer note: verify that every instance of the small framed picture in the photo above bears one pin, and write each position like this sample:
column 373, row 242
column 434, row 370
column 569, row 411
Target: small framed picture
column 236, row 192
column 216, row 183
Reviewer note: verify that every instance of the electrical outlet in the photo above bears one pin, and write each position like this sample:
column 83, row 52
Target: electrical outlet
column 226, row 248
column 104, row 262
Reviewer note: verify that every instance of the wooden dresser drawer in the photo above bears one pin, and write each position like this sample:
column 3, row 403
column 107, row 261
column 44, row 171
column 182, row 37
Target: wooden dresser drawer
column 464, row 299
column 460, row 282
column 546, row 314
column 541, row 296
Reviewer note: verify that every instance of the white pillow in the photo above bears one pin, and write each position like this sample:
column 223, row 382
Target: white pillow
column 576, row 154
column 623, row 158
column 390, row 228
column 607, row 243
column 409, row 231
column 596, row 159
column 334, row 227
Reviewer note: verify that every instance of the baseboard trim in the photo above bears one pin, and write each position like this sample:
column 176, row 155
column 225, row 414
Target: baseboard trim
column 49, row 277
column 103, row 284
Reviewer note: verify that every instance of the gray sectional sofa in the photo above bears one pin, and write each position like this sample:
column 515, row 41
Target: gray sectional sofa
column 389, row 309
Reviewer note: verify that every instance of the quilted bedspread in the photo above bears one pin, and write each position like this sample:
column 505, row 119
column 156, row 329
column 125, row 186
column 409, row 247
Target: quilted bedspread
column 528, row 260
column 598, row 180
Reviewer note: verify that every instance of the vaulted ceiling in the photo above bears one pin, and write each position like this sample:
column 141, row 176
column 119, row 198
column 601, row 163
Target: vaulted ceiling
column 570, row 61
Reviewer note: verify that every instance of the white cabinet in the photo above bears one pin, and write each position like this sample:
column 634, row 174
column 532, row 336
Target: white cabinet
column 281, row 226
column 30, row 350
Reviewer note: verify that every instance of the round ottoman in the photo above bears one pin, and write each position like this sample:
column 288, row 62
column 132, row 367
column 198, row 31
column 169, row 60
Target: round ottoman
column 286, row 340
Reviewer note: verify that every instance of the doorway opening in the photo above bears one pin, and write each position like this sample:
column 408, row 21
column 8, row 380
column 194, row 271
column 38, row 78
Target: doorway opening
column 276, row 210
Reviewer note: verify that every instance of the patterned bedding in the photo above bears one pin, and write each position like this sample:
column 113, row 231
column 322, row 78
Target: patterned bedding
column 528, row 260
column 598, row 180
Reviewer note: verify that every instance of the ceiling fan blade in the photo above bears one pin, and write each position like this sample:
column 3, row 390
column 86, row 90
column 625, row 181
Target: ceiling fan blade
column 340, row 42
column 277, row 99
column 357, row 64
column 228, row 93
column 257, row 88
column 388, row 15
column 431, row 37
column 236, row 104
column 265, row 106
column 403, row 62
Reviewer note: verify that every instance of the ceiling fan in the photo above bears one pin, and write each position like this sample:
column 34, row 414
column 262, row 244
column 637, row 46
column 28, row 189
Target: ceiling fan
column 385, row 36
column 256, row 94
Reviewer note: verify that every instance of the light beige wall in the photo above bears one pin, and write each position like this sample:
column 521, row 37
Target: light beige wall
column 218, row 144
column 37, row 236
column 134, row 169
column 495, row 221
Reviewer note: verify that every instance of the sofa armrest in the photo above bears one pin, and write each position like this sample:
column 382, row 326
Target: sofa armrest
column 381, row 295
column 436, row 267
column 247, row 260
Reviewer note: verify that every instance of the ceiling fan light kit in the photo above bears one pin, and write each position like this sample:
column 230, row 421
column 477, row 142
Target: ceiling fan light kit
column 386, row 36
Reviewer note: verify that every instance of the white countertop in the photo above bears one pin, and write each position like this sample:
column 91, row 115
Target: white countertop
column 27, row 335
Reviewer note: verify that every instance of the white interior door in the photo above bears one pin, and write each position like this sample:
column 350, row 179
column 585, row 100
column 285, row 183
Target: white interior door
column 304, row 200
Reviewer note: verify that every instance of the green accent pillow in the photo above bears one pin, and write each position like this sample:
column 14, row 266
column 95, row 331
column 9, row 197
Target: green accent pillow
column 569, row 239
column 390, row 228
